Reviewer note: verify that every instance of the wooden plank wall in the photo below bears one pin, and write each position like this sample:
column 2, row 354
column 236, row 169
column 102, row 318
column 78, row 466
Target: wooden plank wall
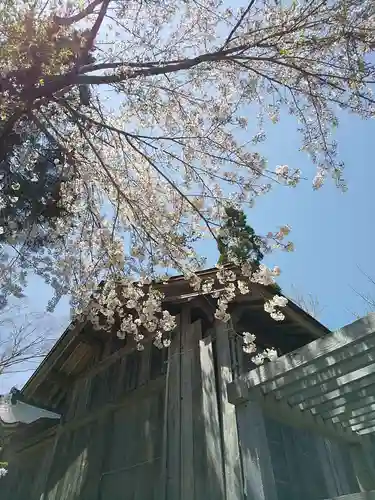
column 129, row 437
column 193, row 461
column 113, row 430
column 147, row 429
column 25, row 479
column 368, row 495
column 282, row 462
column 131, row 464
column 364, row 470
column 117, row 456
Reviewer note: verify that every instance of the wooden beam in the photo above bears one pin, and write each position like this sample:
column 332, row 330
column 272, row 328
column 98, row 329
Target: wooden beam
column 205, row 303
column 172, row 430
column 89, row 339
column 291, row 415
column 357, row 420
column 273, row 375
column 57, row 398
column 346, row 384
column 370, row 430
column 55, row 354
column 304, row 321
column 350, row 349
column 361, row 380
column 364, row 425
column 186, row 395
column 351, row 405
column 104, row 363
column 351, row 359
column 292, row 312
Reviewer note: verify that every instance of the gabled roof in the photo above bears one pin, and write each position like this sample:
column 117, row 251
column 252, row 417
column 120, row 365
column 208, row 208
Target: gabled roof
column 75, row 350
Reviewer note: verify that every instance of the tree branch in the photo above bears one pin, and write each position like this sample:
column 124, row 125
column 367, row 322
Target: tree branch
column 238, row 24
column 93, row 33
column 160, row 69
column 172, row 184
column 68, row 21
column 88, row 68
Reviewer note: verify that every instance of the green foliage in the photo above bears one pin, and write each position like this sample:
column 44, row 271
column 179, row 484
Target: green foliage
column 30, row 197
column 238, row 242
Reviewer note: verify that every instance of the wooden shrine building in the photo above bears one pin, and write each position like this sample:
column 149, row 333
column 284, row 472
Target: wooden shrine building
column 199, row 421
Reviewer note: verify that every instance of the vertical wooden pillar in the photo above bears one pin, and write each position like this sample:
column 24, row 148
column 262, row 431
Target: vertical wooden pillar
column 259, row 481
column 209, row 483
column 363, row 467
column 328, row 470
column 231, row 453
column 201, row 450
column 144, row 372
column 172, row 423
column 187, row 437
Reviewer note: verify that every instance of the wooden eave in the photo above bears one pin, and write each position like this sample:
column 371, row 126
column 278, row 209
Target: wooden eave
column 79, row 346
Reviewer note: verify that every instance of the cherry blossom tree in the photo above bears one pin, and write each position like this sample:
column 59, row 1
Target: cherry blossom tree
column 158, row 107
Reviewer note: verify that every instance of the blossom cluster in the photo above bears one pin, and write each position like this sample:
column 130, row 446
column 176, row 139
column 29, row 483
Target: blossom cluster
column 288, row 176
column 249, row 347
column 262, row 275
column 278, row 238
column 271, row 306
column 138, row 307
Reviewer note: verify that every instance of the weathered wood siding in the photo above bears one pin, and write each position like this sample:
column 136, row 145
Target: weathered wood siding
column 110, row 445
column 142, row 428
column 26, row 476
column 132, row 460
column 158, row 425
column 282, row 462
